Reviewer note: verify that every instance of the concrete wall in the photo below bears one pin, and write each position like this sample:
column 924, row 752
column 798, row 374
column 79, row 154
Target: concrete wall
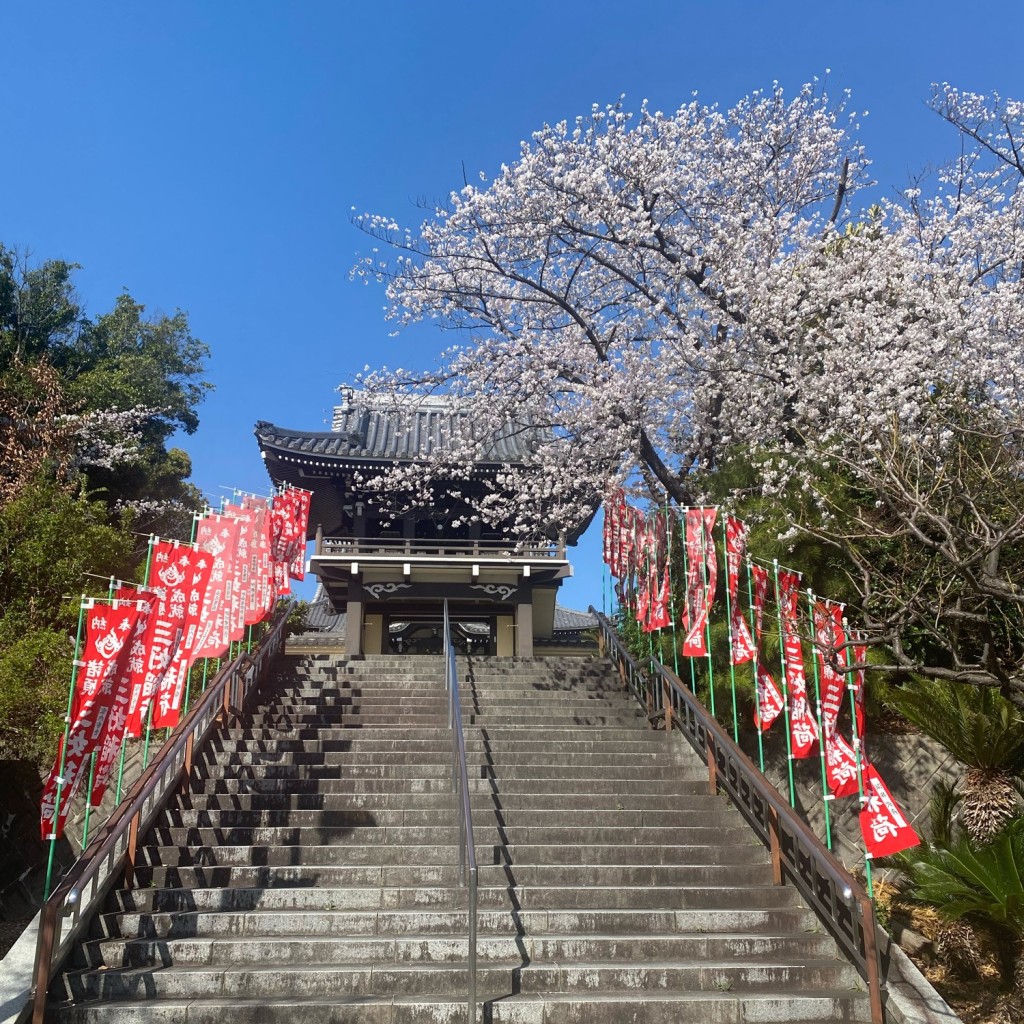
column 910, row 765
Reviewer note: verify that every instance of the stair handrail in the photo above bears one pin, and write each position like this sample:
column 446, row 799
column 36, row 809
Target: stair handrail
column 116, row 844
column 460, row 785
column 797, row 854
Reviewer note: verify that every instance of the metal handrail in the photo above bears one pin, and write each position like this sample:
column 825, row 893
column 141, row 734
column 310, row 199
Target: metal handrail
column 797, row 854
column 116, row 845
column 460, row 785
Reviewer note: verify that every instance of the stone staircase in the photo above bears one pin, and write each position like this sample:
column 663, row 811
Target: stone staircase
column 309, row 872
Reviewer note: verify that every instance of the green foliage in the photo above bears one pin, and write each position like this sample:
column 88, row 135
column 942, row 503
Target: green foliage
column 984, row 884
column 39, row 311
column 297, row 618
column 62, row 516
column 122, row 360
column 975, row 724
column 49, row 539
column 35, row 670
column 118, row 361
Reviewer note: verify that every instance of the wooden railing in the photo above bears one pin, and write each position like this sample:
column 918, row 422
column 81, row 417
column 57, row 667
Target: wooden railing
column 113, row 851
column 798, row 856
column 410, row 547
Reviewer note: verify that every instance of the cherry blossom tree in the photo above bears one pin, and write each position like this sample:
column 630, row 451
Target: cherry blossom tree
column 655, row 294
column 614, row 280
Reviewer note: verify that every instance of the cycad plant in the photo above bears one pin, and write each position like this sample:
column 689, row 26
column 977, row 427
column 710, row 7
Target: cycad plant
column 980, row 728
column 978, row 884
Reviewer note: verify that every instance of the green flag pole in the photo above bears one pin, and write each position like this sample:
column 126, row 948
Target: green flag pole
column 728, row 616
column 708, row 598
column 111, row 587
column 826, row 796
column 152, row 696
column 64, row 750
column 686, row 600
column 851, row 688
column 754, row 664
column 669, row 517
column 785, row 684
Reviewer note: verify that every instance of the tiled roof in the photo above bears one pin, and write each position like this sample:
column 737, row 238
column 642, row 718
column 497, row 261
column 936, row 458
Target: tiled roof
column 368, row 429
column 567, row 619
column 321, row 618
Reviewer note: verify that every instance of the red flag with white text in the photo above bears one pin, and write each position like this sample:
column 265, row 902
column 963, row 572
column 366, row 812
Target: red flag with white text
column 241, row 566
column 701, row 579
column 300, row 500
column 883, row 825
column 105, row 656
column 742, row 645
column 769, row 699
column 829, row 647
column 259, row 561
column 180, row 573
column 127, row 691
column 802, row 727
column 218, row 536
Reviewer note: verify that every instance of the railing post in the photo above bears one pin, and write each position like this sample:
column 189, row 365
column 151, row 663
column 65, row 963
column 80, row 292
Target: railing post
column 867, row 916
column 709, row 747
column 44, row 955
column 774, row 845
column 133, row 845
column 666, row 703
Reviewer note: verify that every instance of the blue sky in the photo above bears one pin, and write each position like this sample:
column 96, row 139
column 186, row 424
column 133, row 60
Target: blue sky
column 206, row 155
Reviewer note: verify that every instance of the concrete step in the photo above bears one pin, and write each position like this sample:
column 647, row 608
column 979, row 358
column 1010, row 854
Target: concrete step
column 336, row 779
column 530, row 897
column 360, row 827
column 572, row 923
column 334, row 813
column 308, row 872
column 232, row 851
column 447, row 975
column 339, row 874
column 282, row 981
column 718, row 1006
column 630, row 742
column 438, row 792
column 650, row 1008
column 430, row 946
column 238, row 761
column 554, row 754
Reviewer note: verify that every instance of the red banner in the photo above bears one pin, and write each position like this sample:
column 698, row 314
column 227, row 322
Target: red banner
column 627, row 532
column 217, row 535
column 240, row 569
column 180, row 574
column 883, row 825
column 104, row 661
column 860, row 657
column 769, row 699
column 259, row 562
column 661, row 613
column 701, row 579
column 127, row 691
column 300, row 501
column 646, row 566
column 741, row 643
column 138, row 658
column 802, row 727
column 829, row 641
